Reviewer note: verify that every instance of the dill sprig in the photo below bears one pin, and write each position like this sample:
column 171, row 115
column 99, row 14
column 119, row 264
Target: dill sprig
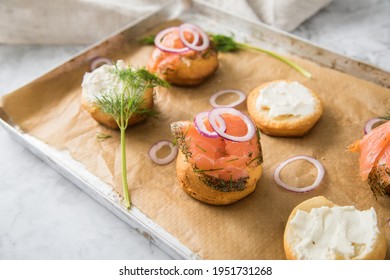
column 227, row 44
column 376, row 181
column 387, row 117
column 125, row 101
column 100, row 136
column 148, row 40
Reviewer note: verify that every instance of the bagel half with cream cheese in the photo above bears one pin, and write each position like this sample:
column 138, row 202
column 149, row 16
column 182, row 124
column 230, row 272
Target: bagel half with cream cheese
column 284, row 108
column 319, row 229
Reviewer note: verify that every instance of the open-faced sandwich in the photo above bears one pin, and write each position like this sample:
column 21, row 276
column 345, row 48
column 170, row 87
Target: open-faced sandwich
column 318, row 229
column 374, row 161
column 102, row 89
column 183, row 55
column 284, row 108
column 220, row 157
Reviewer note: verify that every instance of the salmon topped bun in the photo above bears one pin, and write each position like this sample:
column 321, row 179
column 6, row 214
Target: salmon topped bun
column 183, row 55
column 220, row 156
column 374, row 161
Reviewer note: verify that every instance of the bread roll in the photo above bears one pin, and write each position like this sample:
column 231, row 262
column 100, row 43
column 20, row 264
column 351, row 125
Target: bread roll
column 216, row 170
column 194, row 186
column 284, row 108
column 103, row 80
column 107, row 120
column 189, row 68
column 319, row 229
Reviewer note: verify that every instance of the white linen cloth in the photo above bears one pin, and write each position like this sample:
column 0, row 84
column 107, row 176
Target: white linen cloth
column 86, row 21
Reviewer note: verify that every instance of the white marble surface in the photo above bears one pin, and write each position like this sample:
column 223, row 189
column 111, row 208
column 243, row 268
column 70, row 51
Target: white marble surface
column 44, row 216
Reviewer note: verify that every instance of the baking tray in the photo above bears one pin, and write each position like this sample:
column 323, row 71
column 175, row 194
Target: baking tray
column 213, row 20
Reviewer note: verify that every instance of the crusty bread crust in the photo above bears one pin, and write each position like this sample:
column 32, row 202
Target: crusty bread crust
column 287, row 126
column 378, row 252
column 189, row 70
column 193, row 186
column 108, row 120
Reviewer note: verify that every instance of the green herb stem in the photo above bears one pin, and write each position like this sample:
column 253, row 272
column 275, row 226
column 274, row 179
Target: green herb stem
column 122, row 105
column 125, row 186
column 228, row 44
column 122, row 126
column 277, row 56
column 102, row 136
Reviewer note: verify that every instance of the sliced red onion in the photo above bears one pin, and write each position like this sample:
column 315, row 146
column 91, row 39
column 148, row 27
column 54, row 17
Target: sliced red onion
column 241, row 98
column 195, row 30
column 99, row 61
column 370, row 123
column 156, row 147
column 217, row 123
column 316, row 163
column 201, row 127
column 160, row 36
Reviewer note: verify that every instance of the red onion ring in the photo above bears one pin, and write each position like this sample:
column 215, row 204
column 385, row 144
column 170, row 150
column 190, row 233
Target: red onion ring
column 156, row 147
column 195, row 30
column 201, row 127
column 241, row 98
column 99, row 61
column 316, row 163
column 215, row 118
column 370, row 123
column 161, row 35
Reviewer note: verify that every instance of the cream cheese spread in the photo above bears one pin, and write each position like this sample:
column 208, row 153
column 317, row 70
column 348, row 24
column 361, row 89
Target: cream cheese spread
column 283, row 98
column 340, row 232
column 101, row 81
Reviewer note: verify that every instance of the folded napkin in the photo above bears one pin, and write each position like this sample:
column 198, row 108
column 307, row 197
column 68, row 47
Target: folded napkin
column 86, row 21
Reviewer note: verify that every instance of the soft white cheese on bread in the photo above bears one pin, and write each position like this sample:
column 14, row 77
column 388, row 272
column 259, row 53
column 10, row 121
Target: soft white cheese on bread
column 284, row 98
column 102, row 80
column 339, row 232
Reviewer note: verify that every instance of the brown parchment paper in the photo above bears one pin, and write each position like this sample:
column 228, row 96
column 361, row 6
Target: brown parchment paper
column 252, row 228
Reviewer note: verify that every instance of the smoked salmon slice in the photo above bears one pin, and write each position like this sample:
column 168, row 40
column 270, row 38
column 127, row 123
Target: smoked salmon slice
column 218, row 160
column 374, row 161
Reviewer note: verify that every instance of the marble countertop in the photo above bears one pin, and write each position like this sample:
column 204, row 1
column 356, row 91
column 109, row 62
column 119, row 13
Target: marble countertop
column 44, row 216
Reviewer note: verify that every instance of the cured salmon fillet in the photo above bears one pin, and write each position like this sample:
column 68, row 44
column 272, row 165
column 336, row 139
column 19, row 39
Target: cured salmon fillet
column 219, row 158
column 374, row 161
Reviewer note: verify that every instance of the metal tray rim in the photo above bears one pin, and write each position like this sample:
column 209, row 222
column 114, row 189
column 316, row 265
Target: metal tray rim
column 135, row 218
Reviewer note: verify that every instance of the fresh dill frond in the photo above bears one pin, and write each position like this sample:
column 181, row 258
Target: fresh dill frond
column 224, row 43
column 233, row 159
column 124, row 101
column 199, row 170
column 201, row 148
column 130, row 100
column 148, row 40
column 259, row 159
column 376, row 180
column 386, row 117
column 100, row 136
column 151, row 80
column 180, row 138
